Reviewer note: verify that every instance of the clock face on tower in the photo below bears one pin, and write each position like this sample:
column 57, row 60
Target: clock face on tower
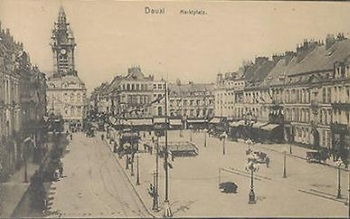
column 63, row 51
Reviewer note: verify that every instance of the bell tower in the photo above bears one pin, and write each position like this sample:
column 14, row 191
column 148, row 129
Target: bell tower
column 63, row 45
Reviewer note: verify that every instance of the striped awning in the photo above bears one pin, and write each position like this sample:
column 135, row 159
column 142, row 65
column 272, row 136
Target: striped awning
column 270, row 127
column 139, row 122
column 175, row 122
column 259, row 124
column 214, row 121
column 197, row 121
column 159, row 120
column 237, row 123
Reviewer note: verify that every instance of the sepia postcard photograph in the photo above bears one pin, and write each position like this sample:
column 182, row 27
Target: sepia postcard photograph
column 174, row 109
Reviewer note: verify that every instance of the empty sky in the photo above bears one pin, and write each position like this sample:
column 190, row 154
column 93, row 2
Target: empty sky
column 113, row 35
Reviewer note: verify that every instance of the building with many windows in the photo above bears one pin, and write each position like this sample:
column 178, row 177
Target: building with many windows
column 22, row 103
column 133, row 95
column 192, row 100
column 304, row 93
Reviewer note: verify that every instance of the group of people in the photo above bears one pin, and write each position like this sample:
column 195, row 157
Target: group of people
column 59, row 171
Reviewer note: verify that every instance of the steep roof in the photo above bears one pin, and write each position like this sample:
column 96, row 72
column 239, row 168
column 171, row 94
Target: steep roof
column 319, row 59
column 188, row 89
column 323, row 59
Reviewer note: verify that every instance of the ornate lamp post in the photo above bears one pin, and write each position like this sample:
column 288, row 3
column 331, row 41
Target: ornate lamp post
column 132, row 166
column 205, row 137
column 339, row 163
column 223, row 136
column 284, row 163
column 252, row 167
column 25, row 154
column 137, row 169
column 190, row 132
column 127, row 162
column 155, row 195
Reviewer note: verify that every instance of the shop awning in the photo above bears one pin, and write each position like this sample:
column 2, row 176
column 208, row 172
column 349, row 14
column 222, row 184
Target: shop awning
column 237, row 123
column 214, row 121
column 139, row 122
column 259, row 124
column 175, row 122
column 270, row 127
column 158, row 120
column 197, row 121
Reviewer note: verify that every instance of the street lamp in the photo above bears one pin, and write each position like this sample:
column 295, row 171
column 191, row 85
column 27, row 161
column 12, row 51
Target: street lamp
column 223, row 136
column 190, row 132
column 205, row 137
column 26, row 142
column 132, row 166
column 349, row 189
column 155, row 195
column 284, row 163
column 252, row 167
column 127, row 162
column 339, row 163
column 137, row 170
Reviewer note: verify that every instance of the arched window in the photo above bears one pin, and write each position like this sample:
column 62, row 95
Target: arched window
column 160, row 113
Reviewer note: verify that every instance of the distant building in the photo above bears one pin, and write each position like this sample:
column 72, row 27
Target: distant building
column 66, row 92
column 227, row 87
column 191, row 100
column 131, row 96
column 301, row 96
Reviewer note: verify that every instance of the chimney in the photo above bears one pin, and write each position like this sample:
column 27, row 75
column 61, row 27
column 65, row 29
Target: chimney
column 288, row 56
column 330, row 40
column 277, row 58
column 260, row 60
column 219, row 78
column 340, row 36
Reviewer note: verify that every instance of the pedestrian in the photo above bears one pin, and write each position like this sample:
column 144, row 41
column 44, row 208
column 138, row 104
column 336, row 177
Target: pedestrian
column 102, row 137
column 56, row 175
column 71, row 136
column 60, row 169
column 267, row 162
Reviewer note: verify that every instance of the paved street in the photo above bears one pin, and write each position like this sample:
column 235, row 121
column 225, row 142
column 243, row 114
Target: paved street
column 93, row 184
column 309, row 189
column 97, row 186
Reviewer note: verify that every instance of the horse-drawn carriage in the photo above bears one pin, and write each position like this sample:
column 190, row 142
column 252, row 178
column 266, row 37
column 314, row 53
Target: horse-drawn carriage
column 257, row 156
column 316, row 156
column 128, row 143
column 90, row 132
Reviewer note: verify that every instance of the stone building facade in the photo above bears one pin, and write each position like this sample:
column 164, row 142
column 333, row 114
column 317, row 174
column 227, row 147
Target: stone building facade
column 66, row 92
column 306, row 91
column 192, row 100
column 22, row 103
column 133, row 95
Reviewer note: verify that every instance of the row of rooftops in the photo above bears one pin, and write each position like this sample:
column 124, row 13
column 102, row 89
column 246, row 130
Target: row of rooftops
column 136, row 75
column 310, row 57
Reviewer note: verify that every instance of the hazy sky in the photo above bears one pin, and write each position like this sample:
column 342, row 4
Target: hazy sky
column 113, row 35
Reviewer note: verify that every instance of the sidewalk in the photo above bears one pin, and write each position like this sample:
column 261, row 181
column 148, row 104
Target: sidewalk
column 13, row 191
column 297, row 151
column 194, row 183
column 141, row 190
